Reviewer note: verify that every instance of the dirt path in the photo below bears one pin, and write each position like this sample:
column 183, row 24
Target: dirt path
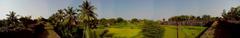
column 209, row 33
column 49, row 32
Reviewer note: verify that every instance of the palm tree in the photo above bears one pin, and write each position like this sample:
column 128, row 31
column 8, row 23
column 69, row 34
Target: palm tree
column 87, row 14
column 12, row 17
column 57, row 18
column 89, row 19
column 71, row 15
column 61, row 14
column 65, row 22
column 13, row 23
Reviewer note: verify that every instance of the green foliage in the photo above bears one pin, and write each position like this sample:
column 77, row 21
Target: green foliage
column 135, row 20
column 65, row 23
column 87, row 15
column 12, row 17
column 12, row 24
column 190, row 17
column 181, row 18
column 119, row 19
column 206, row 17
column 89, row 19
column 151, row 30
column 232, row 14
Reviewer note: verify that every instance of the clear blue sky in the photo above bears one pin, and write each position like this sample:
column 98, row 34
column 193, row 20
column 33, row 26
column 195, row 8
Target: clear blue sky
column 142, row 9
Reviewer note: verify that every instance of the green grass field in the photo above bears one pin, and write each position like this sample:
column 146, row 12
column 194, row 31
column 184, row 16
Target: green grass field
column 132, row 31
column 124, row 33
column 185, row 31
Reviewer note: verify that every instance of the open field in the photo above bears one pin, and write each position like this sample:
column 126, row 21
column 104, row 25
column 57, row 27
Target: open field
column 185, row 31
column 169, row 31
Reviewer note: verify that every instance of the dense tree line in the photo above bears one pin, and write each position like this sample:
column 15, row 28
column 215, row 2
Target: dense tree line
column 190, row 20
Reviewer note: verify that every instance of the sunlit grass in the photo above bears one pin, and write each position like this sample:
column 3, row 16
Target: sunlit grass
column 185, row 31
column 170, row 32
column 134, row 31
column 123, row 33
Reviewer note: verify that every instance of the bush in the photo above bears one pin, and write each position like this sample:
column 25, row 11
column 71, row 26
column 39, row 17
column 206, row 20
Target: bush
column 152, row 30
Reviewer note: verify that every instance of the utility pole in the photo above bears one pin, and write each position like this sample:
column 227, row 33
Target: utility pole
column 178, row 28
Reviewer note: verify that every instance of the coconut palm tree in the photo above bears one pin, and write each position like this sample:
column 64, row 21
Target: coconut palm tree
column 65, row 23
column 71, row 15
column 57, row 18
column 12, row 17
column 13, row 23
column 87, row 14
column 88, row 18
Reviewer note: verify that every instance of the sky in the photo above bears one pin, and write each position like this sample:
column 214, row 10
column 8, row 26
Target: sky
column 127, row 9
